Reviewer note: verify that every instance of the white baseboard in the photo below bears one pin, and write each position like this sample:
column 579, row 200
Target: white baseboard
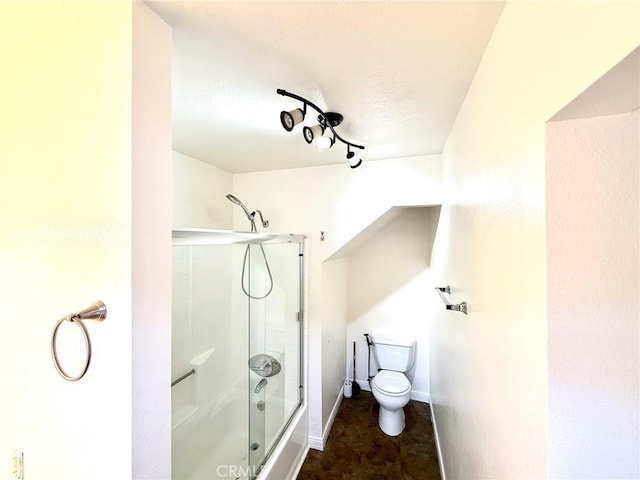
column 332, row 417
column 318, row 443
column 420, row 396
column 315, row 443
column 434, row 424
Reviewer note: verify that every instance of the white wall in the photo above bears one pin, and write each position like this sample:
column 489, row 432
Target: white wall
column 488, row 368
column 341, row 202
column 593, row 296
column 66, row 218
column 334, row 308
column 151, row 250
column 391, row 290
column 76, row 208
column 199, row 194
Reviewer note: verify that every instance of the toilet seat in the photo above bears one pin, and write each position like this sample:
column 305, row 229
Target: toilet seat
column 391, row 383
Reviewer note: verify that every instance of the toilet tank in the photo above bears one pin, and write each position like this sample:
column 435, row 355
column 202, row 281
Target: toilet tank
column 394, row 352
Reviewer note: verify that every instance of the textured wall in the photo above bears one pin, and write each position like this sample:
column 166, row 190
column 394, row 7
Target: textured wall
column 593, row 297
column 151, row 249
column 488, row 369
column 66, row 223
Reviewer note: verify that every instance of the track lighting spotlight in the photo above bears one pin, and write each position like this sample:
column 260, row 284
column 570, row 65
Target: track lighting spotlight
column 326, row 120
column 311, row 133
column 324, row 142
column 350, row 154
column 354, row 162
column 292, row 118
column 351, row 158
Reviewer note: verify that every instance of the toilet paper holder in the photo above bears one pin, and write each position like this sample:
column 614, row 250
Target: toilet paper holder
column 458, row 307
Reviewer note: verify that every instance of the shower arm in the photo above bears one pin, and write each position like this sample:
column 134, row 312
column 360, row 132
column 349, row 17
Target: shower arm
column 265, row 223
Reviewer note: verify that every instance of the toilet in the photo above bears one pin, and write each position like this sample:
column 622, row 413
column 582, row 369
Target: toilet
column 395, row 355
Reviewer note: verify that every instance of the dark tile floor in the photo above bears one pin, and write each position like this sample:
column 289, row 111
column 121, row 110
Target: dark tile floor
column 357, row 448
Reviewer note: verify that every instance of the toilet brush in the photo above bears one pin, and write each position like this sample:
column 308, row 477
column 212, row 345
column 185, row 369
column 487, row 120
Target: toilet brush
column 354, row 387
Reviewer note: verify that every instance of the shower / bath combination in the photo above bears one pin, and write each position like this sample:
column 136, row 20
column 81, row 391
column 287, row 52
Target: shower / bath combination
column 265, row 223
column 245, row 421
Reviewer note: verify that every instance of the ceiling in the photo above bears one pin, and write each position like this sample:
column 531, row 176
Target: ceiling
column 397, row 71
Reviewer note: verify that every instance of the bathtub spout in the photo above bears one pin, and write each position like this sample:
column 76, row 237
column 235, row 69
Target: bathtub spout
column 261, row 384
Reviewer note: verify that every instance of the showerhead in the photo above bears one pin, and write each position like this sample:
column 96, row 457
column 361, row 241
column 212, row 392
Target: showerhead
column 234, row 199
column 238, row 202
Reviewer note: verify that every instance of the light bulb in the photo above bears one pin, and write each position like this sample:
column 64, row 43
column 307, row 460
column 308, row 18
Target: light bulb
column 324, row 142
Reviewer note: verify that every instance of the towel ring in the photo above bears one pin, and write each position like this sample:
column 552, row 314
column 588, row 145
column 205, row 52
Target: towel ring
column 98, row 312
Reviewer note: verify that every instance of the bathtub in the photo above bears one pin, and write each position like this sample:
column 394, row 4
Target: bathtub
column 212, row 442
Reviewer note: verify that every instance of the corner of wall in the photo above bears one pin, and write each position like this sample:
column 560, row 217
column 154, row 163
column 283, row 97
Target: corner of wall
column 151, row 255
column 199, row 191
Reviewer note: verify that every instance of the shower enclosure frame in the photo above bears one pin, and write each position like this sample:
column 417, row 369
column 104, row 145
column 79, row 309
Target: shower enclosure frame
column 203, row 237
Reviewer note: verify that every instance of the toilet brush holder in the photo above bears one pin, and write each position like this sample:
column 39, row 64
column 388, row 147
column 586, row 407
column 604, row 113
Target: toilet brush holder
column 348, row 389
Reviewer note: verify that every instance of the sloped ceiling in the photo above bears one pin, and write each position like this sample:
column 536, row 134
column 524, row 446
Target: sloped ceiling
column 397, row 71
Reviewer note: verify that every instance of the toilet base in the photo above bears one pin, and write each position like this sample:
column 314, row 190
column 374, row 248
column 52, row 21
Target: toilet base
column 391, row 421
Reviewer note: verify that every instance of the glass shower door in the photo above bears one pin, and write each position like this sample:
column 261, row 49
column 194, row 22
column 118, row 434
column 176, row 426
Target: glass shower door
column 274, row 345
column 227, row 417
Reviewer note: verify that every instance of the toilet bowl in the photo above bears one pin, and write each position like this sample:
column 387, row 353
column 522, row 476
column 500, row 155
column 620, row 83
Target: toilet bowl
column 395, row 355
column 392, row 390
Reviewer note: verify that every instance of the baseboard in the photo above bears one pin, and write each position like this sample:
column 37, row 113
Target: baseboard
column 315, row 443
column 318, row 443
column 332, row 417
column 434, row 424
column 420, row 396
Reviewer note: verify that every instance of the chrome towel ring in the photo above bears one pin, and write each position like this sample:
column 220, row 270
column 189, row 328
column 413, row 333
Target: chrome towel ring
column 98, row 312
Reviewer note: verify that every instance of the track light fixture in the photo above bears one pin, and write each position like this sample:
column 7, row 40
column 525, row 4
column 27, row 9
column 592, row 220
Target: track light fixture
column 353, row 161
column 326, row 120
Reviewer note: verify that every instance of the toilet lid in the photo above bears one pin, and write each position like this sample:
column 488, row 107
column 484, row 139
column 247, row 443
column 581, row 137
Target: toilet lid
column 392, row 383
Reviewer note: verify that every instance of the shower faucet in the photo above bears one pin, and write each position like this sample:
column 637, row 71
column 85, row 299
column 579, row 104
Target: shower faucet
column 264, row 365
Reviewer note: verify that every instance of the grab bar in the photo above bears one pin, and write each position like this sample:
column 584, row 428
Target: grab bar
column 188, row 374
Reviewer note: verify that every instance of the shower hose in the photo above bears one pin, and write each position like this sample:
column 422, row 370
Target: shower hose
column 244, row 266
